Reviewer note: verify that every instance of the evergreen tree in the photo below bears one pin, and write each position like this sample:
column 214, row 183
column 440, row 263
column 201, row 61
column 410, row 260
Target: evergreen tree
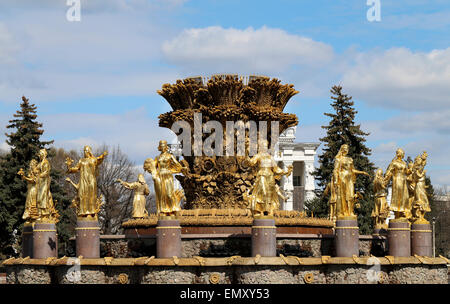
column 342, row 130
column 25, row 143
column 60, row 190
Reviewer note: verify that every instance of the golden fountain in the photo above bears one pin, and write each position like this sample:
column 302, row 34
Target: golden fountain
column 215, row 187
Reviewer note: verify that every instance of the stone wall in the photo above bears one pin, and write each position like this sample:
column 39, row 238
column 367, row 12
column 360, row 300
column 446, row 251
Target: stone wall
column 223, row 246
column 275, row 270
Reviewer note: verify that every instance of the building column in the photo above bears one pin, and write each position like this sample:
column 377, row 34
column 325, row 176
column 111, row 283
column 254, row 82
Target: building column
column 309, row 180
column 288, row 187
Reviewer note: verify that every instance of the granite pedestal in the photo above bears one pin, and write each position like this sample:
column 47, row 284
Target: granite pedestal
column 399, row 238
column 168, row 238
column 88, row 239
column 421, row 240
column 264, row 237
column 346, row 238
column 45, row 241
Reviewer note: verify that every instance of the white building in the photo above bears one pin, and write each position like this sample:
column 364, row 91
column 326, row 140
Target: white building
column 299, row 186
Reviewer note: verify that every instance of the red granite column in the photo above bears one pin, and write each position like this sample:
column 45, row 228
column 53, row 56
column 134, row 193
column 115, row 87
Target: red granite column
column 421, row 240
column 27, row 240
column 88, row 239
column 168, row 237
column 264, row 237
column 45, row 241
column 399, row 238
column 346, row 238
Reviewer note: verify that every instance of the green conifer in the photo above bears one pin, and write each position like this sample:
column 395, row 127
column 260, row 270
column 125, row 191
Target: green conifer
column 342, row 130
column 25, row 143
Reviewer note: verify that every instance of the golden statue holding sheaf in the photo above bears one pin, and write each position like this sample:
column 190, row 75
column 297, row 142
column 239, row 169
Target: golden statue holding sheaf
column 39, row 203
column 141, row 190
column 381, row 210
column 263, row 197
column 420, row 205
column 87, row 199
column 162, row 168
column 342, row 186
column 30, row 214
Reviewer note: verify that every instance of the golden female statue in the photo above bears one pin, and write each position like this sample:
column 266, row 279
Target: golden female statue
column 263, row 196
column 141, row 190
column 380, row 211
column 398, row 172
column 421, row 204
column 343, row 184
column 30, row 214
column 44, row 200
column 162, row 169
column 89, row 203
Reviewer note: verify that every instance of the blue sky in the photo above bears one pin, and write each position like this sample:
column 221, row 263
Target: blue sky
column 95, row 81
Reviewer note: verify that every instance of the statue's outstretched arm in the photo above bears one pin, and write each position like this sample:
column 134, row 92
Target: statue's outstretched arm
column 70, row 169
column 29, row 179
column 388, row 174
column 72, row 183
column 360, row 172
column 101, row 157
column 127, row 185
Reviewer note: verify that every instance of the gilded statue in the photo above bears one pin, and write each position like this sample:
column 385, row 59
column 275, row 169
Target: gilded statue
column 44, row 200
column 141, row 190
column 343, row 184
column 162, row 168
column 263, row 197
column 420, row 205
column 380, row 211
column 30, row 214
column 398, row 172
column 88, row 201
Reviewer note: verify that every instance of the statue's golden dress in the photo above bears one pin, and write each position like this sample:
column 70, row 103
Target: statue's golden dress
column 30, row 212
column 343, row 184
column 44, row 197
column 421, row 203
column 141, row 190
column 400, row 202
column 381, row 209
column 167, row 165
column 345, row 190
column 264, row 195
column 87, row 187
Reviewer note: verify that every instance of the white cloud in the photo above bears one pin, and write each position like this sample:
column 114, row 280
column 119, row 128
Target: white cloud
column 136, row 133
column 250, row 50
column 425, row 122
column 44, row 56
column 8, row 47
column 402, row 79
